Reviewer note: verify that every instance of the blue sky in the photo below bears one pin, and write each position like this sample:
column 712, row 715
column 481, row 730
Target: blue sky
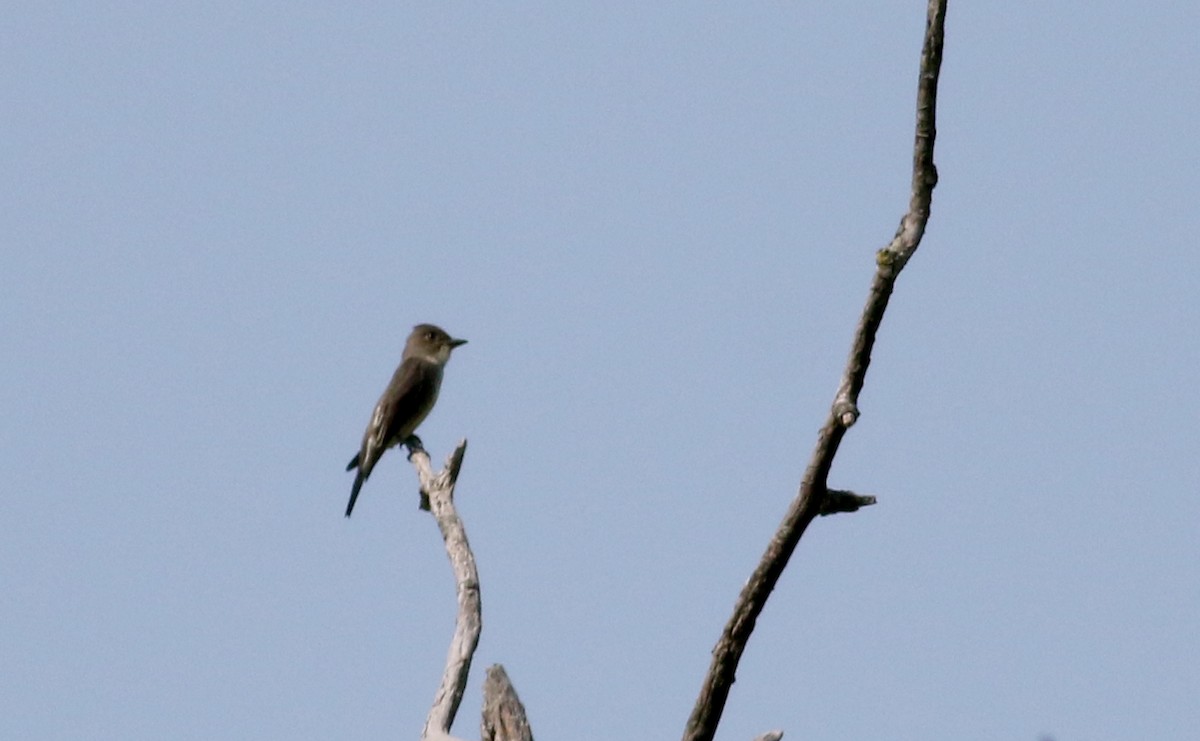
column 656, row 226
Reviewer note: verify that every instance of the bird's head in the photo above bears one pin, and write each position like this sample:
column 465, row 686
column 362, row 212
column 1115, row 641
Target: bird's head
column 431, row 343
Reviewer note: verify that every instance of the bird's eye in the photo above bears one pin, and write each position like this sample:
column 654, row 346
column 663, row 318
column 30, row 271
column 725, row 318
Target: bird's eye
column 429, row 336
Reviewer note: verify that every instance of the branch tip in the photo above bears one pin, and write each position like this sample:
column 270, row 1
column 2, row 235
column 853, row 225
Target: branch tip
column 455, row 459
column 503, row 714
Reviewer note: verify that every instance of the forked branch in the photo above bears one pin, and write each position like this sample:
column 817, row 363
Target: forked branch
column 437, row 489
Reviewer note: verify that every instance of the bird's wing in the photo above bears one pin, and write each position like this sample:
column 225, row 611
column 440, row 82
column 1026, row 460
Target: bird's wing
column 405, row 402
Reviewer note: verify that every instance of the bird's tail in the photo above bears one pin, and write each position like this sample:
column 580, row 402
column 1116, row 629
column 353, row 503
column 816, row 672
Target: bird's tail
column 358, row 482
column 353, row 464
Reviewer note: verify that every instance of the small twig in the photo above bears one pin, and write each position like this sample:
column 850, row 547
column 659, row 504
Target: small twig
column 814, row 498
column 438, row 490
column 503, row 714
column 837, row 500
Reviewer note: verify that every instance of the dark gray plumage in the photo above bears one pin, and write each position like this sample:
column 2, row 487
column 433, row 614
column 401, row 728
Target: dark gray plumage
column 406, row 401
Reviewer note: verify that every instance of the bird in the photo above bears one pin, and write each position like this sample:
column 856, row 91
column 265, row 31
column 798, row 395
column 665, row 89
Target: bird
column 406, row 401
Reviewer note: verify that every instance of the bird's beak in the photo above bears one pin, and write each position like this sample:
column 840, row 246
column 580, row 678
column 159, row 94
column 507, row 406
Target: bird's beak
column 456, row 343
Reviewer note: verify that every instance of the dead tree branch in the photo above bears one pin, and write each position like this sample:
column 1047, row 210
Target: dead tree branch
column 814, row 498
column 503, row 714
column 438, row 490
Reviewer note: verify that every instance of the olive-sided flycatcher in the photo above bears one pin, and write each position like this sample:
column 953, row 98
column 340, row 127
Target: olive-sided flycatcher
column 406, row 401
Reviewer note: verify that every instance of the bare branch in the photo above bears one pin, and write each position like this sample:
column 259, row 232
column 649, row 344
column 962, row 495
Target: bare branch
column 503, row 714
column 814, row 498
column 438, row 490
column 890, row 260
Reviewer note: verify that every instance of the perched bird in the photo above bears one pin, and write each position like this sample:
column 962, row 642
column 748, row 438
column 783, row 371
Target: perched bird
column 406, row 401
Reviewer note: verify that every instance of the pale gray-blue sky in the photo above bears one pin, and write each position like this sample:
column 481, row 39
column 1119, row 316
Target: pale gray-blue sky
column 656, row 225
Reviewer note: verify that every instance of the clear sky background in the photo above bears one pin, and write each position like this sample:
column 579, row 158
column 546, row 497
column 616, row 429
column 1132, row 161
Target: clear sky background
column 655, row 223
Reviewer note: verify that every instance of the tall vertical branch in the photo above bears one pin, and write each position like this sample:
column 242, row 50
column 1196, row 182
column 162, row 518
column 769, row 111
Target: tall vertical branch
column 503, row 714
column 814, row 498
column 438, row 490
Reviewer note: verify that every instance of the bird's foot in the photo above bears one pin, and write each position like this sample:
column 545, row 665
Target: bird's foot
column 414, row 445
